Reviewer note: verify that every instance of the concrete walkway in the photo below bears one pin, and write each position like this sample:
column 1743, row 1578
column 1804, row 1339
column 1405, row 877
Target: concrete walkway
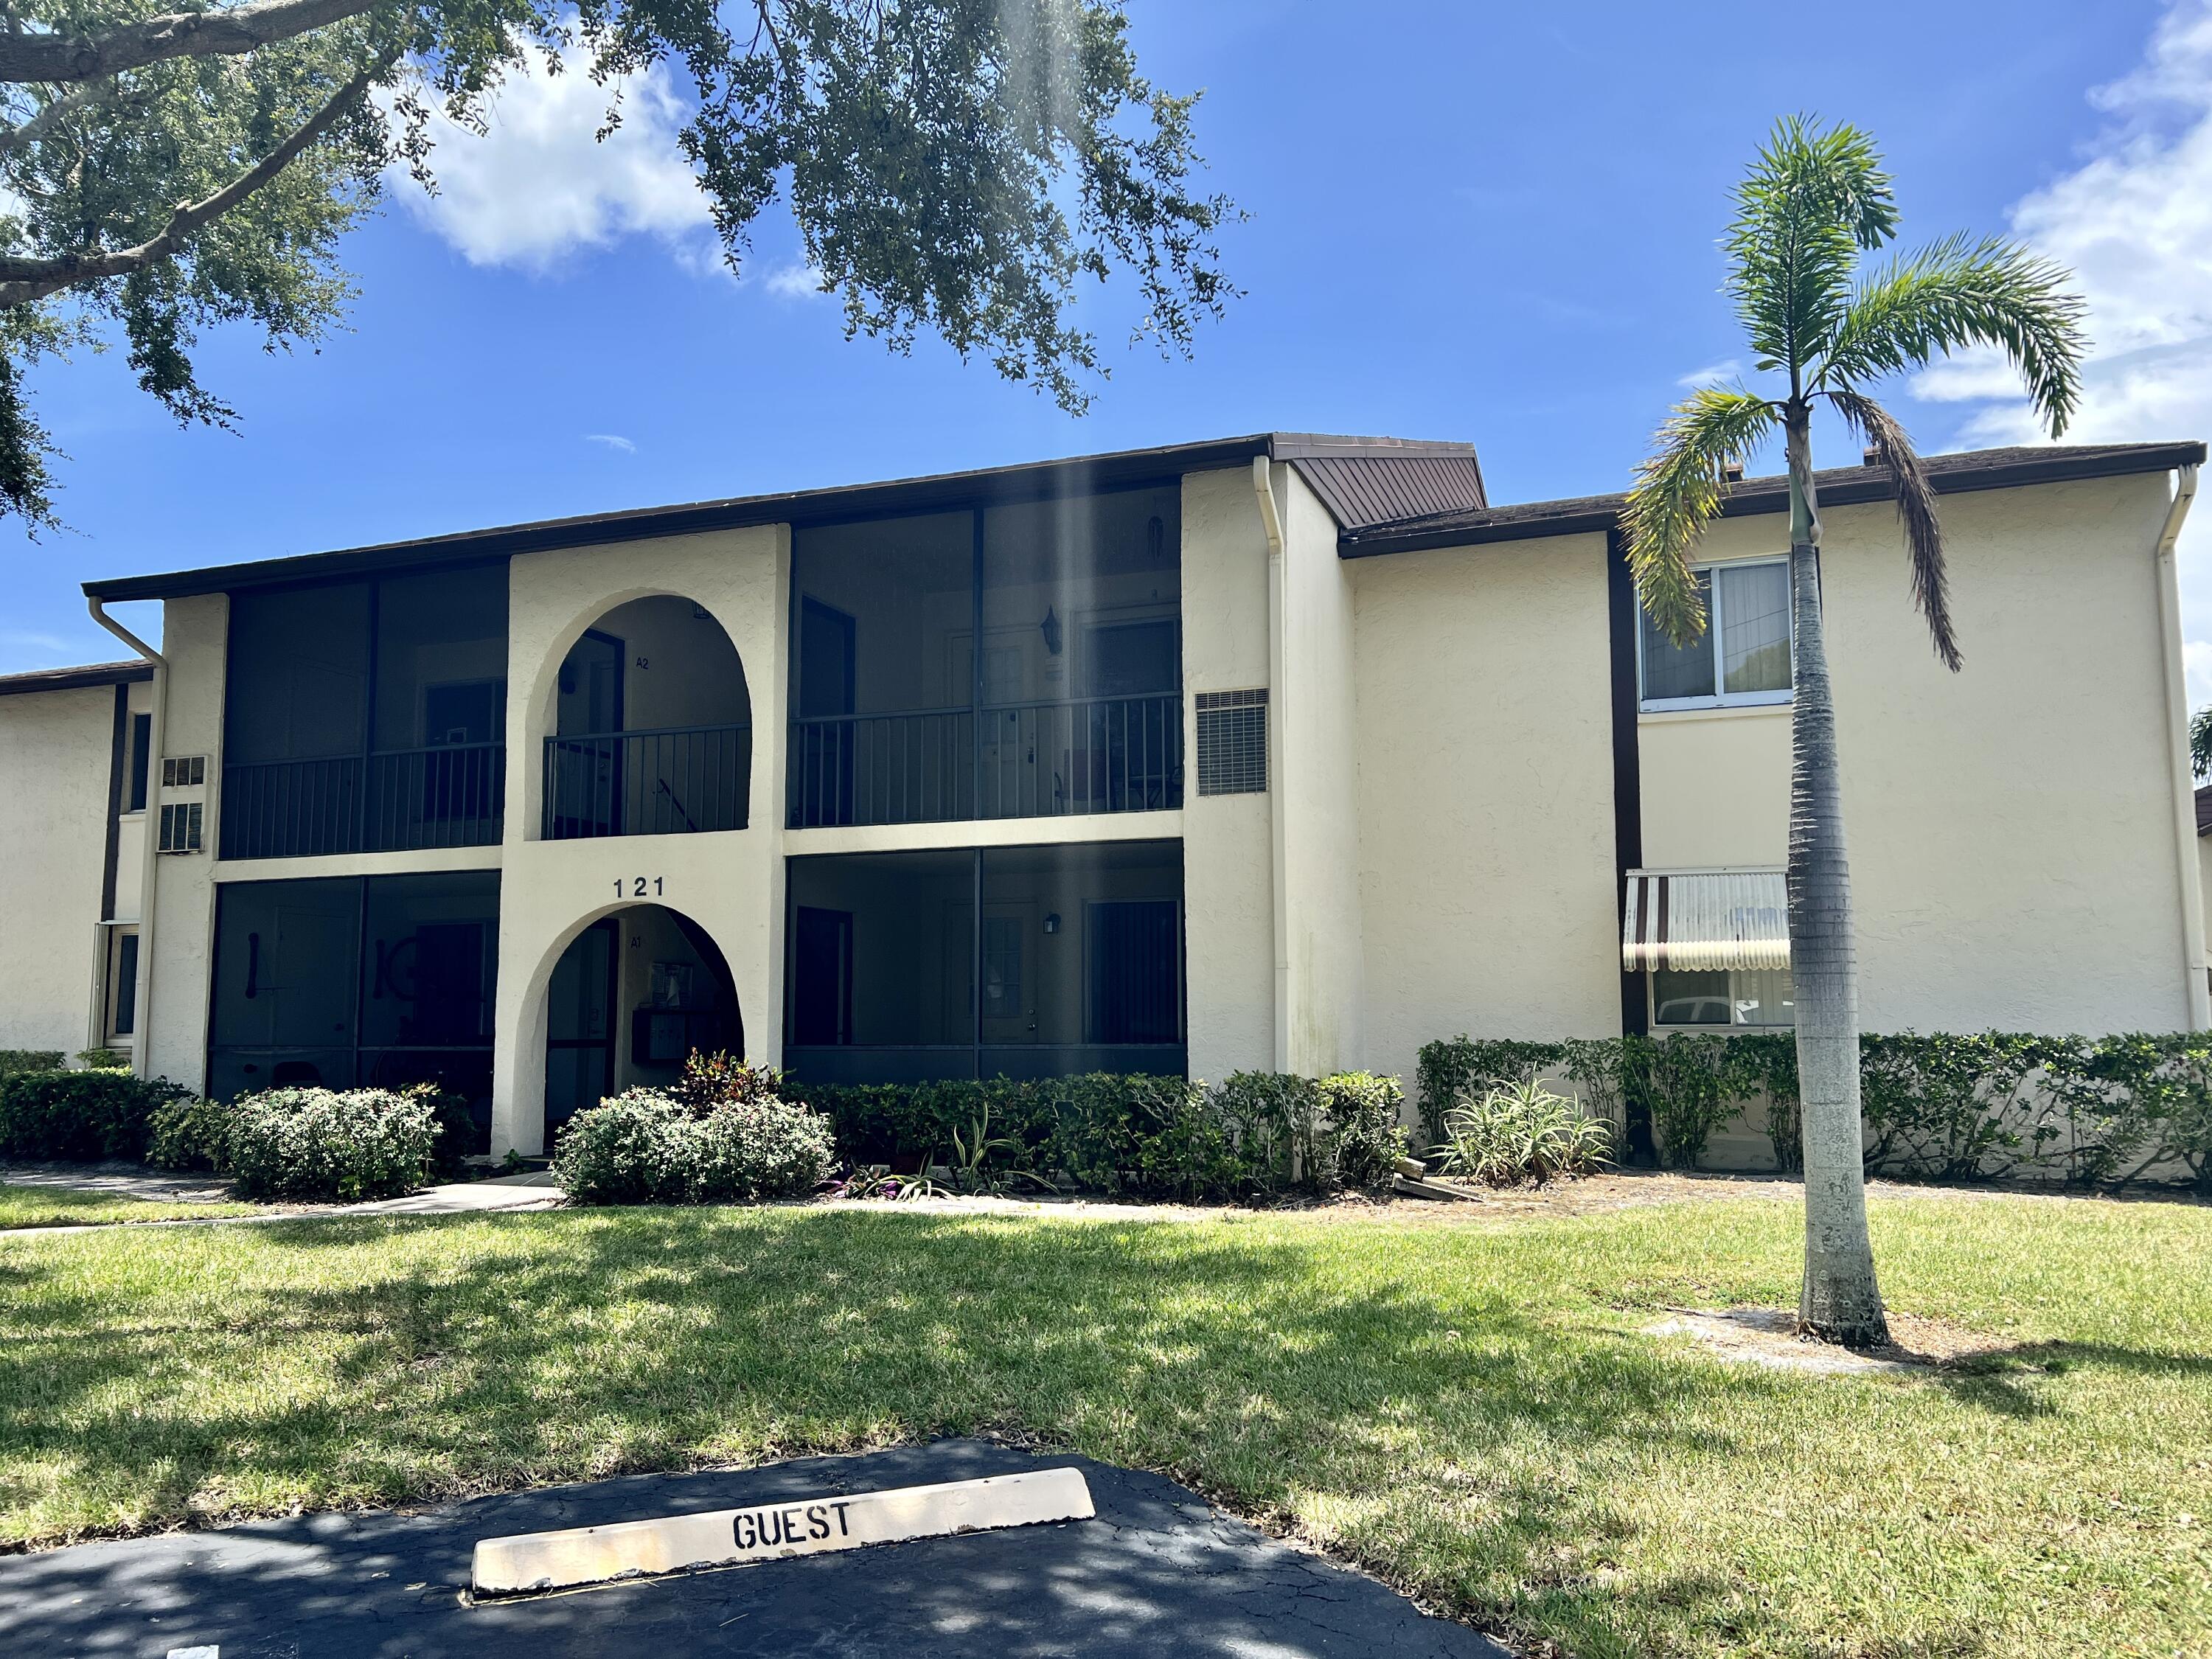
column 535, row 1190
column 1159, row 1574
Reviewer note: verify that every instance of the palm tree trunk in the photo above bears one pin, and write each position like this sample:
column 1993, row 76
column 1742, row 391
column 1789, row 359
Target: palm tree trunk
column 1840, row 1301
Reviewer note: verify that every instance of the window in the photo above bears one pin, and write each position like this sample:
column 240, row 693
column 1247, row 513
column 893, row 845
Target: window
column 1743, row 657
column 141, row 753
column 1689, row 997
column 123, row 984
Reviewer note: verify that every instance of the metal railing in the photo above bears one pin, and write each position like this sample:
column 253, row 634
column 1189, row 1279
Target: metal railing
column 1008, row 761
column 669, row 782
column 402, row 800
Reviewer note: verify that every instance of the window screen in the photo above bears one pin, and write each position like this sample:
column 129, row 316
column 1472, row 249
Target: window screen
column 1232, row 743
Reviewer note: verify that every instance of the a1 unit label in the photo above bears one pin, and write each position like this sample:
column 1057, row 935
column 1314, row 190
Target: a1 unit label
column 591, row 1555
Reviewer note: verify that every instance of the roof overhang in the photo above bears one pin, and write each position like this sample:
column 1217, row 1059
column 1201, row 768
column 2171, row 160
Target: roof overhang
column 940, row 492
column 1972, row 470
column 86, row 677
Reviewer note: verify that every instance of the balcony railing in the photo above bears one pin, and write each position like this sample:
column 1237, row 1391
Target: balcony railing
column 662, row 782
column 1011, row 761
column 402, row 800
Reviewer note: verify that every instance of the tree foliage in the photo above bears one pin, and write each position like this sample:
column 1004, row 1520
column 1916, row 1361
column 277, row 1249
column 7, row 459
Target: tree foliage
column 957, row 167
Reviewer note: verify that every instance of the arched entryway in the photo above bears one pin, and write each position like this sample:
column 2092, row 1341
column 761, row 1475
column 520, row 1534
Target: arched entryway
column 631, row 997
column 650, row 727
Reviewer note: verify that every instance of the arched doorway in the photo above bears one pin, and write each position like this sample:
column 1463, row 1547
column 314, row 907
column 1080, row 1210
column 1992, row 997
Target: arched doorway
column 650, row 730
column 632, row 995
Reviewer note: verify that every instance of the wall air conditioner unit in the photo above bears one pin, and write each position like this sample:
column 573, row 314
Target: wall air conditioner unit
column 180, row 827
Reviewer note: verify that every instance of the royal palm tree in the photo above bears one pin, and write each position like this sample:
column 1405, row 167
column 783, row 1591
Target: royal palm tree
column 1815, row 202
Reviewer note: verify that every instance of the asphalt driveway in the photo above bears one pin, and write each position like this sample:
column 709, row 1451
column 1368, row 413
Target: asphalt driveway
column 1158, row 1573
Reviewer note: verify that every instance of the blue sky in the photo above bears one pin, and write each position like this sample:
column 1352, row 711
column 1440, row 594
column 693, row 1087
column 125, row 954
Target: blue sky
column 1487, row 221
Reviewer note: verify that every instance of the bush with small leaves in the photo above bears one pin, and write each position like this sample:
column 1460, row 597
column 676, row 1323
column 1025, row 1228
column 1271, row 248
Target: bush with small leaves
column 643, row 1147
column 347, row 1145
column 78, row 1116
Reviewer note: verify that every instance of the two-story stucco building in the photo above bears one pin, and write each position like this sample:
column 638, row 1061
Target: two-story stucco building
column 1277, row 752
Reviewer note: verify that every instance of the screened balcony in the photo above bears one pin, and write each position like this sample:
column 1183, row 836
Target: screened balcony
column 1020, row 962
column 1072, row 705
column 653, row 727
column 367, row 716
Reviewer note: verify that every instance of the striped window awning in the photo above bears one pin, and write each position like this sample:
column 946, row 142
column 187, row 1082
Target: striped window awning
column 1706, row 919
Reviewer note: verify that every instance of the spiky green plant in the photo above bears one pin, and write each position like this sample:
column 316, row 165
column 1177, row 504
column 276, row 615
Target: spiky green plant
column 1813, row 204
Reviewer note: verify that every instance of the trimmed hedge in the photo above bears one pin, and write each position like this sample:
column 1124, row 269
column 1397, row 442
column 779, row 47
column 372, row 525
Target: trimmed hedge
column 2091, row 1111
column 82, row 1116
column 349, row 1146
column 13, row 1060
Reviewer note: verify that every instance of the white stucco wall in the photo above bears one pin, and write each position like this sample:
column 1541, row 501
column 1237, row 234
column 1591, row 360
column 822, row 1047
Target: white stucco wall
column 194, row 637
column 2011, row 827
column 1228, row 873
column 730, row 882
column 55, row 752
column 1319, row 789
column 1487, row 827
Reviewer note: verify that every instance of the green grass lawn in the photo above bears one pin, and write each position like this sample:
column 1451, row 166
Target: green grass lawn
column 1469, row 1410
column 62, row 1206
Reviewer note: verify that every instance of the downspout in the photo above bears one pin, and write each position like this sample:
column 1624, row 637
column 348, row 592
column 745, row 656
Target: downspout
column 1271, row 520
column 2177, row 719
column 142, row 1044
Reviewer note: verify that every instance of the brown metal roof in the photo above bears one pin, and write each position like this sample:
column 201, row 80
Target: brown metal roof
column 76, row 679
column 1381, row 489
column 1975, row 469
column 937, row 493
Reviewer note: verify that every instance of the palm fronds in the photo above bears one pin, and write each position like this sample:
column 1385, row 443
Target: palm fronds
column 1809, row 203
column 1961, row 293
column 1916, row 512
column 1678, row 491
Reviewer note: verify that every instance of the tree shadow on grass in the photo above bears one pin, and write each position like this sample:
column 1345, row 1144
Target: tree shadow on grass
column 432, row 1359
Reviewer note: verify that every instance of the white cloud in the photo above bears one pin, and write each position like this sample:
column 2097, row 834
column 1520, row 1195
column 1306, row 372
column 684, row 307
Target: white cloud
column 2134, row 223
column 24, row 639
column 1712, row 374
column 795, row 281
column 539, row 186
column 612, row 441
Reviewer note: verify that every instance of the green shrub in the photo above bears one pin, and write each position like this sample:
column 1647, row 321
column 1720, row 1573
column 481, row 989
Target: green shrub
column 645, row 1148
column 1448, row 1070
column 1945, row 1108
column 13, row 1060
column 78, row 1116
column 1688, row 1084
column 1366, row 1139
column 1275, row 1120
column 104, row 1059
column 323, row 1144
column 2135, row 1103
column 1510, row 1132
column 188, row 1132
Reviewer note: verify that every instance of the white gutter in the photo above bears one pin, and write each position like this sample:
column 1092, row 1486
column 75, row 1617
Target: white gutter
column 141, row 1041
column 2199, row 996
column 1271, row 521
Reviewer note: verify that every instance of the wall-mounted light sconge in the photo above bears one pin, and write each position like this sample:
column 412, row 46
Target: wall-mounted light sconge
column 1051, row 921
column 1050, row 628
